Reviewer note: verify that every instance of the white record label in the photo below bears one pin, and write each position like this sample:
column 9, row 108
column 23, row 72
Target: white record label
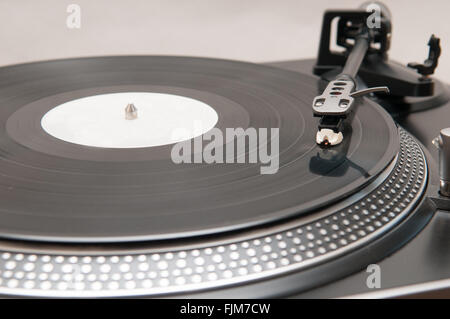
column 100, row 120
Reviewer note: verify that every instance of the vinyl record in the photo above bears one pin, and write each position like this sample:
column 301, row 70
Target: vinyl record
column 54, row 190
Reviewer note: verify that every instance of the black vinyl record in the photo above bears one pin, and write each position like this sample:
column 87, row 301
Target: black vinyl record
column 58, row 191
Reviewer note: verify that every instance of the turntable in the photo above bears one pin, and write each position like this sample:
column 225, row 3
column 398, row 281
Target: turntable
column 344, row 173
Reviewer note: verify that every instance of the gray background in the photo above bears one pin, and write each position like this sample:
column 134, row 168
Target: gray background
column 248, row 30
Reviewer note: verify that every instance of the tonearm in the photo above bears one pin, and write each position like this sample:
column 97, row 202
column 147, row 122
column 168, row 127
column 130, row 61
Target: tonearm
column 365, row 34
